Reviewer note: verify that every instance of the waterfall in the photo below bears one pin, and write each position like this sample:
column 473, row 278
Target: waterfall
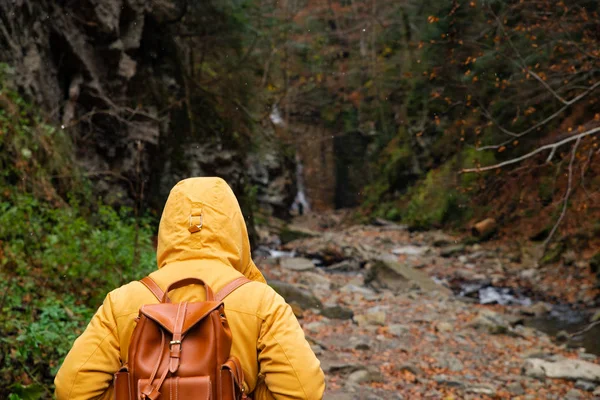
column 300, row 205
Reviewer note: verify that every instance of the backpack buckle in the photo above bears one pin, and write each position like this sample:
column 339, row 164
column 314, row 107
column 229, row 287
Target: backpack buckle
column 173, row 343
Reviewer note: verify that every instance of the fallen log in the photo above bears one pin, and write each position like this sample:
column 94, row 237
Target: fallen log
column 485, row 228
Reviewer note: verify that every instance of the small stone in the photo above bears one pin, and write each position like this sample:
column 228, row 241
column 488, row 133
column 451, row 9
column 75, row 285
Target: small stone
column 569, row 257
column 314, row 326
column 515, row 388
column 491, row 321
column 444, row 327
column 596, row 316
column 573, row 394
column 398, row 329
column 538, row 309
column 562, row 336
column 529, row 274
column 364, row 376
column 410, row 368
column 362, row 346
column 447, row 381
column 449, row 251
column 372, row 318
column 585, row 385
column 318, row 350
column 481, row 389
column 597, row 391
column 337, row 312
column 588, row 357
column 297, row 264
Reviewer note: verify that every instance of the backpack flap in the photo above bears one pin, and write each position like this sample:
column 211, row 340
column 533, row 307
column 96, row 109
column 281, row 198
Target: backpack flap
column 166, row 314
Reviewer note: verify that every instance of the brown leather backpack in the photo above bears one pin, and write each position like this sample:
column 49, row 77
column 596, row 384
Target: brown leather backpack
column 180, row 351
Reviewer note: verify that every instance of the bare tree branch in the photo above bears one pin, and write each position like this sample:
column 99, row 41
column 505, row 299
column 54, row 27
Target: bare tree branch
column 551, row 146
column 539, row 124
column 566, row 198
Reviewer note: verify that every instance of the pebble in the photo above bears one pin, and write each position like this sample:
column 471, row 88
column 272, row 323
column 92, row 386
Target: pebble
column 444, row 327
column 515, row 388
column 398, row 329
column 573, row 394
column 585, row 385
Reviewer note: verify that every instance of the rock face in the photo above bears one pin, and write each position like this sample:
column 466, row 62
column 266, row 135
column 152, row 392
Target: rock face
column 115, row 74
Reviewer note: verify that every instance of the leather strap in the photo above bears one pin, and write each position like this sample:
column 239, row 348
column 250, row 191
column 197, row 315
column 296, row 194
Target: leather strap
column 175, row 344
column 220, row 296
column 230, row 287
column 185, row 282
column 153, row 287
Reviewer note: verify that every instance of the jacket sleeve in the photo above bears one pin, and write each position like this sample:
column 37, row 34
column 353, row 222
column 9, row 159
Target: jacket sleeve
column 88, row 369
column 289, row 366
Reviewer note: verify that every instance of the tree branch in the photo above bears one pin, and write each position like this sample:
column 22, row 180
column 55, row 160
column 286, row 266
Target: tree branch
column 539, row 124
column 533, row 153
column 566, row 199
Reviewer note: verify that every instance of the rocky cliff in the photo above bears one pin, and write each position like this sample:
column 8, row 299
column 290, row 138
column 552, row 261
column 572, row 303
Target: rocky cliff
column 120, row 77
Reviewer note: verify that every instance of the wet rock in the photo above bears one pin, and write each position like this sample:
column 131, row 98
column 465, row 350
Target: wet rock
column 585, row 385
column 490, row 321
column 449, row 251
column 397, row 277
column 293, row 294
column 595, row 317
column 562, row 369
column 515, row 388
column 337, row 312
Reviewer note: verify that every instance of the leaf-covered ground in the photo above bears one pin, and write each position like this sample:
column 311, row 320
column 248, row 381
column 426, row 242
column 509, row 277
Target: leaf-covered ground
column 412, row 343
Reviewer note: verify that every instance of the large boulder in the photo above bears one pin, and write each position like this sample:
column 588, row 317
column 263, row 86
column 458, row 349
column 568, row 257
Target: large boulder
column 294, row 294
column 387, row 274
column 562, row 369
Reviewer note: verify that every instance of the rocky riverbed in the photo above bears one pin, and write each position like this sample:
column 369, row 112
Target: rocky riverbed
column 394, row 314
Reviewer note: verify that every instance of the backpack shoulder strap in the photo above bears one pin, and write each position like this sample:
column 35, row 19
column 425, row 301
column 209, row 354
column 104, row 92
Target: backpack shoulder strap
column 230, row 287
column 226, row 291
column 153, row 287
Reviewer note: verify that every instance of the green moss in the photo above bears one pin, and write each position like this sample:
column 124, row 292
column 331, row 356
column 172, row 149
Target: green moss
column 553, row 254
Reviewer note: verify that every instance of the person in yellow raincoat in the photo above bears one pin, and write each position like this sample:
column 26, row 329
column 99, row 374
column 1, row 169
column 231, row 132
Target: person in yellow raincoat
column 278, row 362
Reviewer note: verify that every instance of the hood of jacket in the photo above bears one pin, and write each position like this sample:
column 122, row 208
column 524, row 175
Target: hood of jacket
column 202, row 220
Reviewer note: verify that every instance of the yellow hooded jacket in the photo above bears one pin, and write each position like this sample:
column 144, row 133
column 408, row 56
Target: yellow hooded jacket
column 277, row 361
